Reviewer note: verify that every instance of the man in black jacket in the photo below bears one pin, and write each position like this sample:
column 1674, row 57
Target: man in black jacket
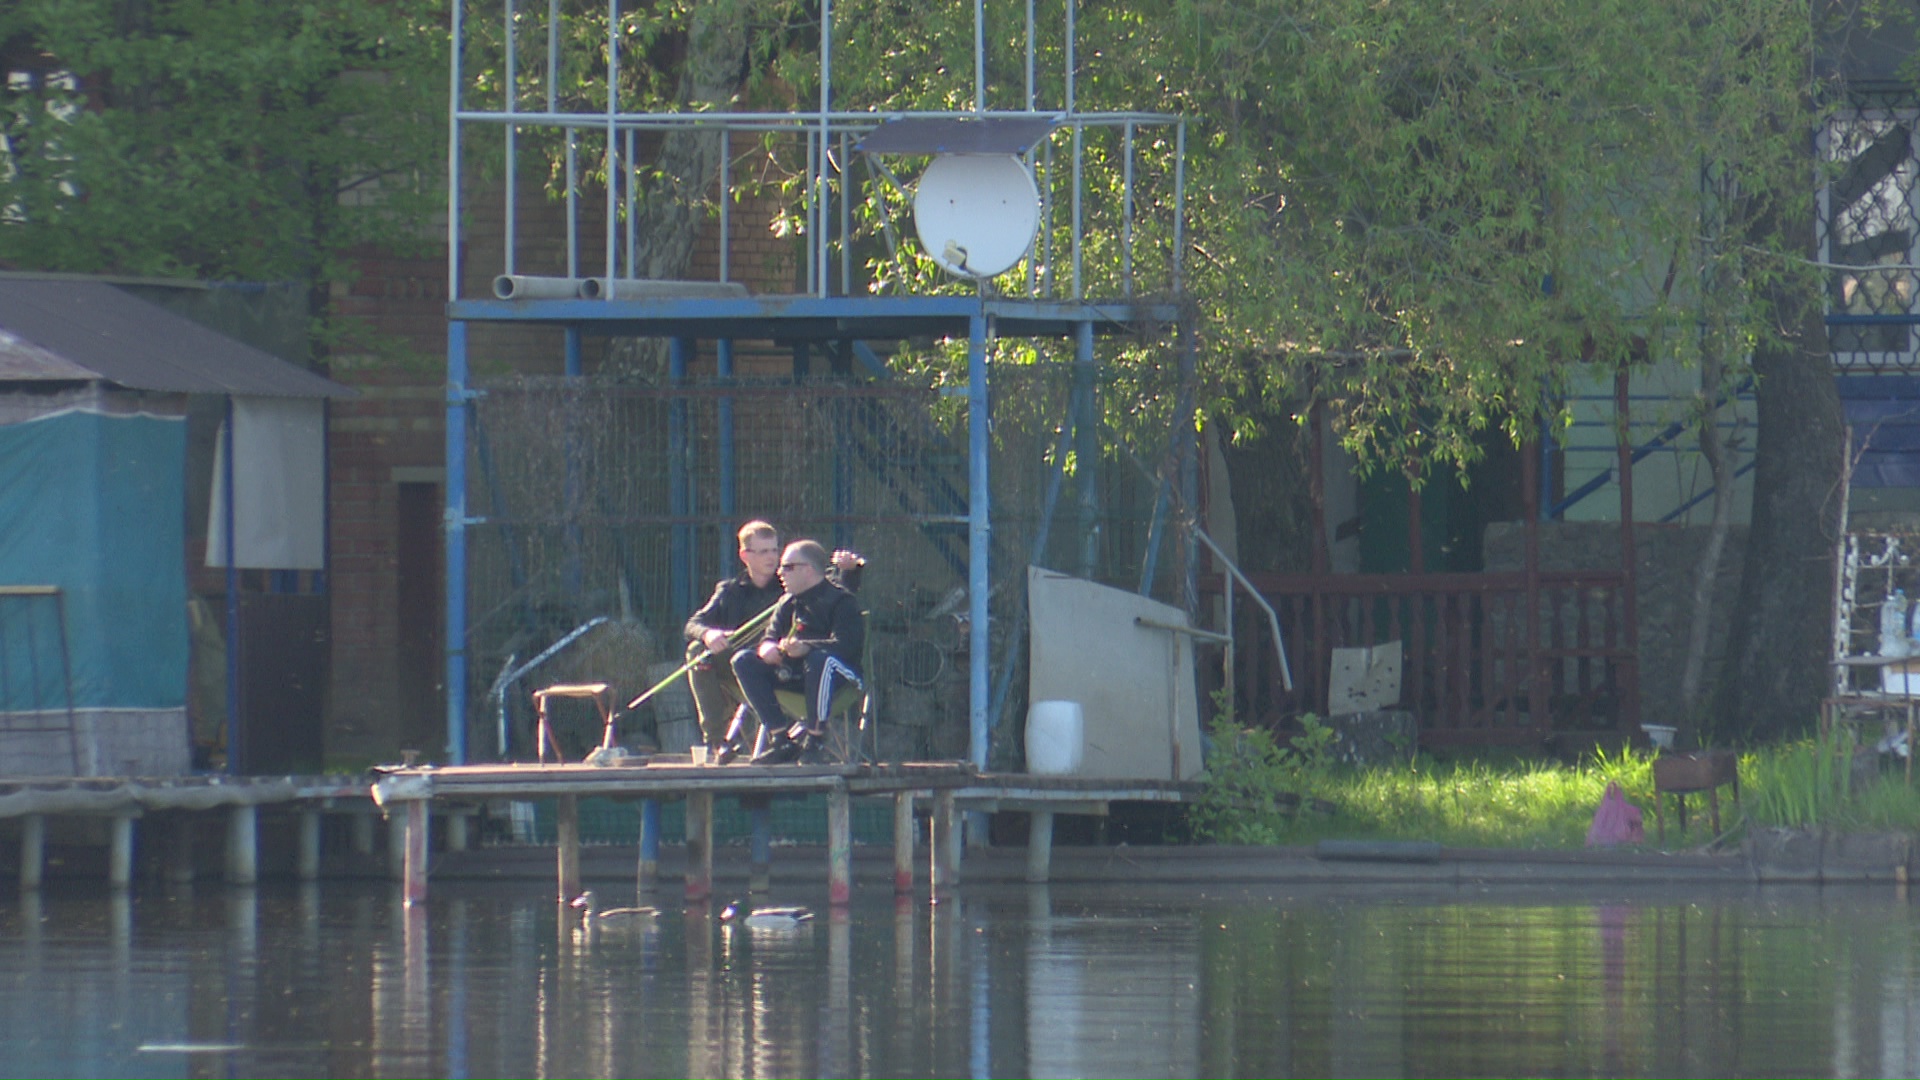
column 814, row 642
column 712, row 629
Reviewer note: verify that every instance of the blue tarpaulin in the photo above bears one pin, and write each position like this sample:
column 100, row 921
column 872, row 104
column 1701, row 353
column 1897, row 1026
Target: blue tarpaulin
column 93, row 505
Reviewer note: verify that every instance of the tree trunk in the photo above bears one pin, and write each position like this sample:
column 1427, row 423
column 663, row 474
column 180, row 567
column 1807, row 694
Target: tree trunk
column 1713, row 448
column 1778, row 642
column 672, row 205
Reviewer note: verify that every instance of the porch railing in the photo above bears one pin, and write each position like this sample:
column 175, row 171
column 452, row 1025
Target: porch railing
column 1480, row 664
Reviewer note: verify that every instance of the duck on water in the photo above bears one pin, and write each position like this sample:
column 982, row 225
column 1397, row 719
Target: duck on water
column 765, row 918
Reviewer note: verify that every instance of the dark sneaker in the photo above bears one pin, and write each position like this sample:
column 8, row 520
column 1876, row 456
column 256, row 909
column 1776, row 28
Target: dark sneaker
column 726, row 752
column 784, row 751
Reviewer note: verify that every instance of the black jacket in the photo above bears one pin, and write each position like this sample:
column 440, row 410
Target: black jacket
column 827, row 616
column 734, row 601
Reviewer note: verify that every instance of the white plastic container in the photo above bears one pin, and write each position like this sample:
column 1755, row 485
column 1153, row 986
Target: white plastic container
column 1056, row 738
column 1893, row 625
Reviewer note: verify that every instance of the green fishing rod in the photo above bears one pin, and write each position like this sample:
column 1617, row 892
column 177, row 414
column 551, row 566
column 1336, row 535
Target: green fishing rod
column 706, row 654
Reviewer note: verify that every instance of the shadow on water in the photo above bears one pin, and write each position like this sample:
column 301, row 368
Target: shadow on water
column 342, row 980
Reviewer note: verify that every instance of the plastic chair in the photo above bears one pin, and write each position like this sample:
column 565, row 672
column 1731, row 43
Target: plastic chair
column 849, row 719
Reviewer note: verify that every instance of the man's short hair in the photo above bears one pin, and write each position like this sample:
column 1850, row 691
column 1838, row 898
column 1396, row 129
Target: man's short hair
column 812, row 551
column 757, row 530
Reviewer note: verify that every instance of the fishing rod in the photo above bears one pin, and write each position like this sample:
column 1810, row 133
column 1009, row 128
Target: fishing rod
column 706, row 654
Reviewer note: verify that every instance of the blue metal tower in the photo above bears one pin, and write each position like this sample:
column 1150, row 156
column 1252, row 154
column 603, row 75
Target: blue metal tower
column 1029, row 299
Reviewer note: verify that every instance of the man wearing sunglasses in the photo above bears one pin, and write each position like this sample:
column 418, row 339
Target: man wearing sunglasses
column 814, row 641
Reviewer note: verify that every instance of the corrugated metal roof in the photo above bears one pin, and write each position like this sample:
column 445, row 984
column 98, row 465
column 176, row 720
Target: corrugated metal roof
column 62, row 329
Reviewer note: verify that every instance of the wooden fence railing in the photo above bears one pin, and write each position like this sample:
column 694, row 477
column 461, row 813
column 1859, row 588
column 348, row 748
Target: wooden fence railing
column 1479, row 664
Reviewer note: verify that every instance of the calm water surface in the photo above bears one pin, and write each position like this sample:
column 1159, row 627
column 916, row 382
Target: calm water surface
column 341, row 980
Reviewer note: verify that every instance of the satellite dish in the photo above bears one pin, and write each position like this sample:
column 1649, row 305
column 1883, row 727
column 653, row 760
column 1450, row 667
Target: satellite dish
column 976, row 213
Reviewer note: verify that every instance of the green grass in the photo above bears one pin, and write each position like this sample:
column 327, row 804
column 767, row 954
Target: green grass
column 1506, row 801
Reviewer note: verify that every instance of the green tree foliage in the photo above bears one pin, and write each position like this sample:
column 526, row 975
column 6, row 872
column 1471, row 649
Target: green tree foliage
column 219, row 139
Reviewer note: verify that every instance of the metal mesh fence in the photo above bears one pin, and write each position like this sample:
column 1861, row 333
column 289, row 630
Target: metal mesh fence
column 1868, row 235
column 611, row 505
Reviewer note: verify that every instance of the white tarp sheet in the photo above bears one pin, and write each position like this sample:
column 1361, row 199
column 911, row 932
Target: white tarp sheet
column 279, row 480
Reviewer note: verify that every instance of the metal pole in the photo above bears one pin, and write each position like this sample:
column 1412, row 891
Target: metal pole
column 456, row 529
column 978, row 536
column 511, row 85
column 680, row 551
column 235, row 737
column 979, row 56
column 723, row 422
column 453, row 160
column 1086, row 449
column 613, row 142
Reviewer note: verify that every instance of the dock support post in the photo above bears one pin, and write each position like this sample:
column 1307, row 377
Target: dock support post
column 839, row 847
column 120, row 852
column 760, row 870
column 306, row 864
column 649, row 872
column 567, row 839
column 180, row 851
column 946, row 845
column 418, row 821
column 902, row 843
column 397, row 846
column 33, row 851
column 243, row 856
column 699, row 845
column 1039, row 845
column 363, row 834
column 457, row 831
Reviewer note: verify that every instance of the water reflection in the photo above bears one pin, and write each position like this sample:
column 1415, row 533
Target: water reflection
column 348, row 981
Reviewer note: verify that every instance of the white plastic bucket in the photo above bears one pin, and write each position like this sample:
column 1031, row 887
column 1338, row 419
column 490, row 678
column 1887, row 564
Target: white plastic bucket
column 1056, row 737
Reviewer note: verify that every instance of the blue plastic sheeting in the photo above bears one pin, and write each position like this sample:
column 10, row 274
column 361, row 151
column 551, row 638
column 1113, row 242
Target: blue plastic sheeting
column 1884, row 411
column 94, row 504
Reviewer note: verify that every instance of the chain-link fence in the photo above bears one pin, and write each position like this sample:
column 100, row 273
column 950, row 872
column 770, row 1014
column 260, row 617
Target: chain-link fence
column 611, row 505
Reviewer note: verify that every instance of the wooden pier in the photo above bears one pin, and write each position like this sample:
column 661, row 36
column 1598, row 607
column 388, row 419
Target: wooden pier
column 408, row 793
column 122, row 801
column 410, row 796
column 943, row 788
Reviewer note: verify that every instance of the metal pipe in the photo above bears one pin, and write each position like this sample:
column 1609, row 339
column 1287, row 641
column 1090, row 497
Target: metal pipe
column 573, row 204
column 1126, row 212
column 456, row 531
column 511, row 83
column 1273, row 620
column 723, row 422
column 726, row 202
column 236, row 738
column 679, row 499
column 979, row 56
column 533, row 287
column 626, row 186
column 1079, row 154
column 553, row 55
column 821, row 208
column 613, row 142
column 979, row 522
column 1029, row 55
column 846, row 223
column 1070, row 55
column 453, row 158
column 1179, row 205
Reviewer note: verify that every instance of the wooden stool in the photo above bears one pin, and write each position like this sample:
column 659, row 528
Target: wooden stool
column 1702, row 770
column 544, row 737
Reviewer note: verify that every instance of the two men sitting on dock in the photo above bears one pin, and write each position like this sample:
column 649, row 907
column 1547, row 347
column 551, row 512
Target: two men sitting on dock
column 779, row 655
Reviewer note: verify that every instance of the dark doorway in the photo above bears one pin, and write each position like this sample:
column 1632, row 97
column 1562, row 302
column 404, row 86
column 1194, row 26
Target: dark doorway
column 419, row 618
